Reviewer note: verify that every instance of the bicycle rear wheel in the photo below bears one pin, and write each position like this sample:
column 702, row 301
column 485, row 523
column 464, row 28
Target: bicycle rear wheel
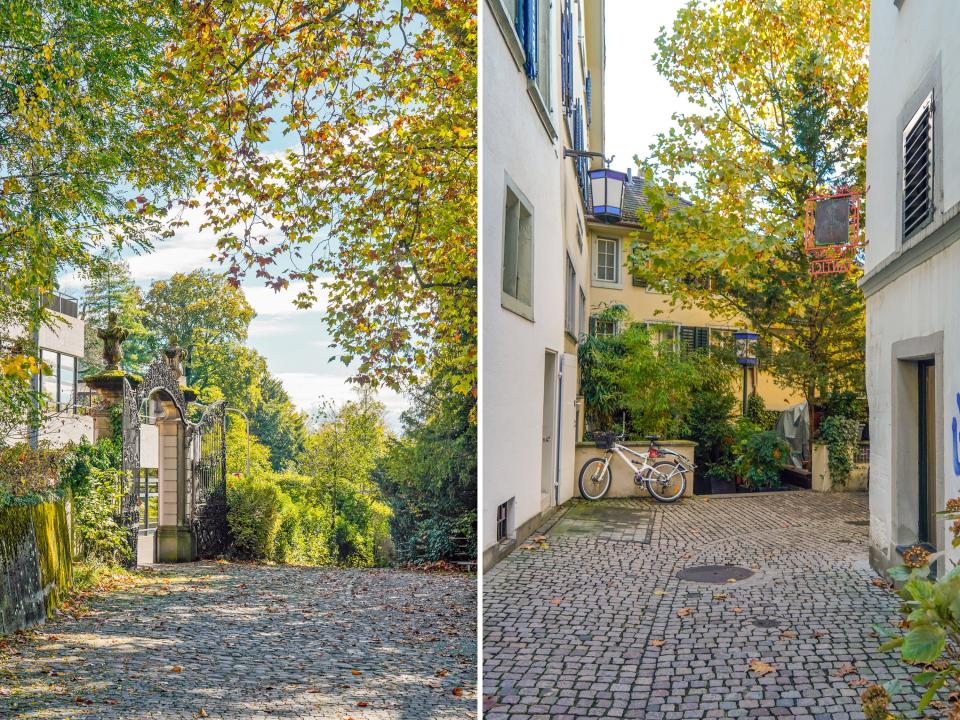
column 595, row 478
column 667, row 481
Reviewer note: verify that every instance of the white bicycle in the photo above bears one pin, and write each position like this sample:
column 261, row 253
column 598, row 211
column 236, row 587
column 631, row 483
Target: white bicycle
column 665, row 478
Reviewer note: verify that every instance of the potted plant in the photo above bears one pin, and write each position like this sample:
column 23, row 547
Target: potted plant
column 722, row 479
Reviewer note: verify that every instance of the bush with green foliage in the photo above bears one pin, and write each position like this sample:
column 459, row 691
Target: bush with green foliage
column 760, row 455
column 98, row 537
column 931, row 641
column 628, row 377
column 429, row 477
column 842, row 437
column 757, row 412
column 254, row 515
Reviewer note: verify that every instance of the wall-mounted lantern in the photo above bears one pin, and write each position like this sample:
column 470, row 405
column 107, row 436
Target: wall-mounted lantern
column 606, row 190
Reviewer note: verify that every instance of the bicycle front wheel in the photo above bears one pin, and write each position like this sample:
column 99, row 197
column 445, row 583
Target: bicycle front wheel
column 595, row 477
column 667, row 481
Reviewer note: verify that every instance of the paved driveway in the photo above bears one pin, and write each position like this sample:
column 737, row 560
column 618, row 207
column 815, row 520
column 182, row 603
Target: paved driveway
column 236, row 642
column 595, row 622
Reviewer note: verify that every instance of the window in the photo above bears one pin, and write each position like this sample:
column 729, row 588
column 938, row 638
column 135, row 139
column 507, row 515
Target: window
column 693, row 339
column 504, row 520
column 638, row 282
column 579, row 232
column 580, row 163
column 604, row 328
column 663, row 333
column 60, row 382
column 581, row 325
column 566, row 57
column 918, row 169
column 608, row 260
column 149, row 496
column 517, row 292
column 570, row 309
column 544, row 50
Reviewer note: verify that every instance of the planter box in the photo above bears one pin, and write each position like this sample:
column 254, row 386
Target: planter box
column 722, row 487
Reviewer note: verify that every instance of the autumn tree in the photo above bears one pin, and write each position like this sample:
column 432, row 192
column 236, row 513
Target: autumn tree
column 110, row 289
column 778, row 96
column 371, row 194
column 75, row 172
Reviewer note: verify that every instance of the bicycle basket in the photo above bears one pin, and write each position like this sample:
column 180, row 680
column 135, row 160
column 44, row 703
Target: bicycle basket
column 604, row 440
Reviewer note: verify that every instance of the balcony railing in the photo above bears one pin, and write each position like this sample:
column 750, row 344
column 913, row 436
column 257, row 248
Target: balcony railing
column 63, row 304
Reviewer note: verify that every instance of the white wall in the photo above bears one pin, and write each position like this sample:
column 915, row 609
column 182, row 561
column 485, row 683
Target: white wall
column 66, row 335
column 515, row 143
column 904, row 45
column 149, row 447
column 66, row 428
column 924, row 300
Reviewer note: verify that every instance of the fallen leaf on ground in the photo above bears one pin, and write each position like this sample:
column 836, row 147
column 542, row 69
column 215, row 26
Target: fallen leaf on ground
column 791, row 634
column 845, row 670
column 202, row 713
column 859, row 682
column 458, row 691
column 659, row 592
column 441, row 673
column 362, row 703
column 657, row 643
column 720, row 596
column 356, row 672
column 738, row 609
column 556, row 601
column 684, row 612
column 820, row 633
column 761, row 668
column 176, row 668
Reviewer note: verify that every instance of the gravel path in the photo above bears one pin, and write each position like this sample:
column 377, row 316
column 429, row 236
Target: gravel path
column 238, row 641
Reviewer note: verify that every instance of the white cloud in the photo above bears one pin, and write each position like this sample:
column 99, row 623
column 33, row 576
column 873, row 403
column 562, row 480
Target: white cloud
column 268, row 302
column 307, row 389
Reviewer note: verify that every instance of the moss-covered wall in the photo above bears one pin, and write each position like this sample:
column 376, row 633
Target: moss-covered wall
column 35, row 564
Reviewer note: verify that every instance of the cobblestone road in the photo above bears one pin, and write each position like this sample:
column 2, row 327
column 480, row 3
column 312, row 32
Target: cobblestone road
column 234, row 641
column 598, row 624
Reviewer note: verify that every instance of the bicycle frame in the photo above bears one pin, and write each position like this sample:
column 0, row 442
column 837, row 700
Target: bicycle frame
column 641, row 471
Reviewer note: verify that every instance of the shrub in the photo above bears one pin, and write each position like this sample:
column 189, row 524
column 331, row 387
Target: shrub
column 254, row 516
column 760, row 456
column 932, row 637
column 757, row 412
column 98, row 535
column 841, row 436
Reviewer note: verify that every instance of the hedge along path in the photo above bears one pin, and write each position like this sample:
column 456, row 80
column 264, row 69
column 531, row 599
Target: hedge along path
column 36, row 571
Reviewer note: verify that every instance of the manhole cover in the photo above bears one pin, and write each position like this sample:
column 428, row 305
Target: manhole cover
column 861, row 523
column 714, row 573
column 765, row 622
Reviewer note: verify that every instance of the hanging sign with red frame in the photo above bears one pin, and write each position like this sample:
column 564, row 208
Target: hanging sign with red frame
column 831, row 235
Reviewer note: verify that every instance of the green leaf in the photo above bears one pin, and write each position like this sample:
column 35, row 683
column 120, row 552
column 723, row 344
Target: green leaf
column 931, row 692
column 891, row 644
column 923, row 644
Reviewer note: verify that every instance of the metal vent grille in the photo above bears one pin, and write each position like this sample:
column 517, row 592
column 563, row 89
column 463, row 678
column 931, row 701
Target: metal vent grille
column 918, row 170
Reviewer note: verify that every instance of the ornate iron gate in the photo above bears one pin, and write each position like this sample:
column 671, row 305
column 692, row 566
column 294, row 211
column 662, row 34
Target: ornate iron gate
column 202, row 456
column 206, row 453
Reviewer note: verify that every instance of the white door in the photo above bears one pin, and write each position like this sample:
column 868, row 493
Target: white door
column 548, row 463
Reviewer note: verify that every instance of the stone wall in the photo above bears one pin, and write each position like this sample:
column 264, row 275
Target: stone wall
column 36, row 569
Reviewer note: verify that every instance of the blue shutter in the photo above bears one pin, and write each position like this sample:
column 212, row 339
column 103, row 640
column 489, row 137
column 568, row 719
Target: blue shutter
column 526, row 23
column 588, row 92
column 578, row 144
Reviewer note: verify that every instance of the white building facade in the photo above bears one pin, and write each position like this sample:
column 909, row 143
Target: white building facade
column 912, row 273
column 542, row 92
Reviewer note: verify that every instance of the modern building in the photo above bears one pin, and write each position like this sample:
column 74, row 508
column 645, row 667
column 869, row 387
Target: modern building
column 543, row 69
column 911, row 273
column 688, row 328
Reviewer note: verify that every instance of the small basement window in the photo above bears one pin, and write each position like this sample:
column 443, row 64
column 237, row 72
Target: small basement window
column 504, row 513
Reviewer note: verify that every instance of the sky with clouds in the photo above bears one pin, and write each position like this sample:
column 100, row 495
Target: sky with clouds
column 639, row 102
column 294, row 341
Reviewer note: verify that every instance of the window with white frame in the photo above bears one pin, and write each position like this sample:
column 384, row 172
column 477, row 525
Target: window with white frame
column 517, row 294
column 505, row 514
column 663, row 333
column 604, row 328
column 694, row 339
column 570, row 308
column 544, row 50
column 607, row 260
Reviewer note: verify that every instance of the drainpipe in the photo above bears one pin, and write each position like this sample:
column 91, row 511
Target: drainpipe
column 559, row 434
